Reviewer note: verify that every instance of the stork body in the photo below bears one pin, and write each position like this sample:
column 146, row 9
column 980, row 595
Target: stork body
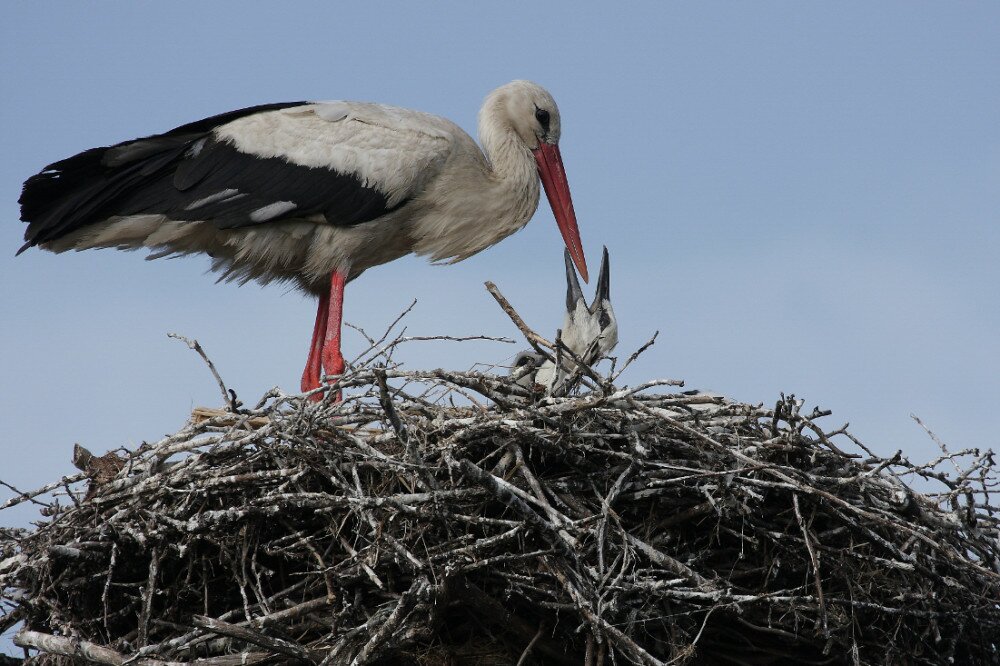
column 312, row 193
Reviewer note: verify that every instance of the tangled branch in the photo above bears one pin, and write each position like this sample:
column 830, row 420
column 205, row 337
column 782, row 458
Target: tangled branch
column 458, row 517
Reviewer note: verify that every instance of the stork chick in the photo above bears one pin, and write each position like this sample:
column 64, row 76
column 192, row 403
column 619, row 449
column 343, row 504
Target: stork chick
column 589, row 332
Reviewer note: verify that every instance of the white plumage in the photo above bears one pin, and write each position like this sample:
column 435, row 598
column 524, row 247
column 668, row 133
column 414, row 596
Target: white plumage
column 394, row 150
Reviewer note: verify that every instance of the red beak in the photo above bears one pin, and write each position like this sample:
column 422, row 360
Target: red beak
column 550, row 168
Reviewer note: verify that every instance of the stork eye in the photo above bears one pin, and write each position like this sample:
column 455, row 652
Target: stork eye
column 543, row 117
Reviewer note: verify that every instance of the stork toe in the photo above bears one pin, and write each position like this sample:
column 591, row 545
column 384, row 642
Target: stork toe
column 333, row 363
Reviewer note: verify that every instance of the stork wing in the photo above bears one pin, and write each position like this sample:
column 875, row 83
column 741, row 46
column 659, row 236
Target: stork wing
column 346, row 162
column 350, row 161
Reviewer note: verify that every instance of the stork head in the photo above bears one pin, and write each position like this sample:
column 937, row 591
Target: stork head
column 590, row 332
column 529, row 111
column 525, row 368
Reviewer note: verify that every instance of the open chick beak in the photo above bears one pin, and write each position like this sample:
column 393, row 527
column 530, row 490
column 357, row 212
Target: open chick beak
column 550, row 168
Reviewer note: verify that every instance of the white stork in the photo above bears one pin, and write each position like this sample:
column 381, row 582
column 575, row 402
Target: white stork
column 590, row 332
column 313, row 194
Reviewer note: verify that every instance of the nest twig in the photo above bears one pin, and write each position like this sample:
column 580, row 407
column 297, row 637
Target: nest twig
column 457, row 517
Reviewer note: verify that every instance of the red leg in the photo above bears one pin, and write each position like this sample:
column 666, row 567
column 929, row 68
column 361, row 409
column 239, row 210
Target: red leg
column 311, row 375
column 333, row 360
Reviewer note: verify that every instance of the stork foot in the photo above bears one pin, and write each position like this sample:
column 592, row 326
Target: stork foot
column 333, row 360
column 313, row 382
column 324, row 350
column 312, row 378
column 314, row 364
column 333, row 363
column 309, row 382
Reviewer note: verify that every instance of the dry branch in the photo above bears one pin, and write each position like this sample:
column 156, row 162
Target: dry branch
column 410, row 525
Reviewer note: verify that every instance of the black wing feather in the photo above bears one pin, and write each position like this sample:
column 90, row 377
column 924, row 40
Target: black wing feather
column 174, row 173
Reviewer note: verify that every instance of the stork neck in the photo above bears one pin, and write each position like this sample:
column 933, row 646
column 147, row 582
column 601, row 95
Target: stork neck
column 507, row 154
column 491, row 203
column 512, row 166
column 513, row 174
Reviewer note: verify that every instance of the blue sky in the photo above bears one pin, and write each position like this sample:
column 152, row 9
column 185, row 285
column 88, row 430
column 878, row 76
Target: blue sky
column 800, row 197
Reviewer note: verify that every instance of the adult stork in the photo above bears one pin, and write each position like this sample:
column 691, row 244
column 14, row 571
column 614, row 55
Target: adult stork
column 313, row 194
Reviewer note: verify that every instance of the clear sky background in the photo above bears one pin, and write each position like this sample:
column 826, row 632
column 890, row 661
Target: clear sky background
column 800, row 197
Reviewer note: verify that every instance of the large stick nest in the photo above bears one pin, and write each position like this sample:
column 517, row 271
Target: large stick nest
column 619, row 525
